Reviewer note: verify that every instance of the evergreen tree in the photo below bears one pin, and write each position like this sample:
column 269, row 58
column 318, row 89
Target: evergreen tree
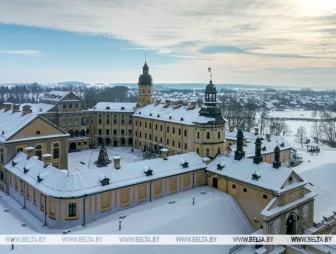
column 103, row 159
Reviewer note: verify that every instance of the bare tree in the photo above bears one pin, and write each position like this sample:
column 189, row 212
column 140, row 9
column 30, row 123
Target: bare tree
column 328, row 129
column 315, row 131
column 278, row 127
column 301, row 135
column 263, row 117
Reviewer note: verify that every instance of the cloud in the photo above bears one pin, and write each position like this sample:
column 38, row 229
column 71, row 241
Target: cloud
column 33, row 53
column 246, row 35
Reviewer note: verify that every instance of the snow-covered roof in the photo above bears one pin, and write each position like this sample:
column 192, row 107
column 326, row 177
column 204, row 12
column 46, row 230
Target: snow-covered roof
column 11, row 122
column 114, row 107
column 267, row 146
column 38, row 108
column 172, row 113
column 55, row 95
column 56, row 183
column 270, row 178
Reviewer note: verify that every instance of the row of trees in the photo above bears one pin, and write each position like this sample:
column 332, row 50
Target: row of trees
column 243, row 115
column 323, row 130
column 31, row 93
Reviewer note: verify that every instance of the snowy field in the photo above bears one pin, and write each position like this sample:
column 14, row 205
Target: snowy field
column 213, row 213
column 84, row 160
column 307, row 114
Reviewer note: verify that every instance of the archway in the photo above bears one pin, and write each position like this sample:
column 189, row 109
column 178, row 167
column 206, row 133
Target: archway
column 71, row 133
column 291, row 224
column 76, row 133
column 107, row 141
column 122, row 142
column 130, row 142
column 73, row 146
column 115, row 143
column 100, row 140
column 82, row 133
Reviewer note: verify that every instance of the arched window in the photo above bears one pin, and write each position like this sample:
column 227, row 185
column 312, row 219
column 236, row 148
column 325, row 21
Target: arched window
column 38, row 151
column 56, row 151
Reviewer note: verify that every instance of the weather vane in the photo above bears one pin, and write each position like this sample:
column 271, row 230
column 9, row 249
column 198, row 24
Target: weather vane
column 209, row 69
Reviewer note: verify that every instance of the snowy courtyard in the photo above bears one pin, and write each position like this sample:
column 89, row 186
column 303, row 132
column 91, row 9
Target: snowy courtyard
column 84, row 160
column 214, row 212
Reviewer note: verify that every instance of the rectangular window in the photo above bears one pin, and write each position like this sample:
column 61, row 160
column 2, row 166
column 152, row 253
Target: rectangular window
column 99, row 121
column 42, row 198
column 167, row 141
column 207, row 152
column 173, row 142
column 150, row 126
column 185, row 133
column 122, row 132
column 185, row 146
column 72, row 210
column 244, row 190
column 156, row 127
column 208, row 135
column 173, row 130
column 99, row 131
column 107, row 131
column 22, row 187
column 198, row 135
column 129, row 132
column 160, row 127
column 115, row 121
column 107, row 120
column 34, row 196
column 179, row 131
column 233, row 186
column 219, row 134
column 179, row 144
column 122, row 121
column 115, row 132
column 38, row 132
column 167, row 129
column 28, row 191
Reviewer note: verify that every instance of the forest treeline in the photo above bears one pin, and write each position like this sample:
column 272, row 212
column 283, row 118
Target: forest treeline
column 31, row 93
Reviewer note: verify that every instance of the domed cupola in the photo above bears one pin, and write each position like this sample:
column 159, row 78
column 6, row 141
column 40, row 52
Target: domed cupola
column 145, row 78
column 145, row 87
column 210, row 94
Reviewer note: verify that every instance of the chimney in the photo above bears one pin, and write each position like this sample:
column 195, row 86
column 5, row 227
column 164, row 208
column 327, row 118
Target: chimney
column 116, row 162
column 239, row 153
column 231, row 128
column 276, row 162
column 257, row 158
column 164, row 153
column 256, row 131
column 46, row 158
column 26, row 109
column 29, row 151
column 16, row 107
column 268, row 136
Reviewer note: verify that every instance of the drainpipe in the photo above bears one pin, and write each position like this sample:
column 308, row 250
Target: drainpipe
column 193, row 179
column 84, row 224
column 150, row 191
column 24, row 194
column 45, row 209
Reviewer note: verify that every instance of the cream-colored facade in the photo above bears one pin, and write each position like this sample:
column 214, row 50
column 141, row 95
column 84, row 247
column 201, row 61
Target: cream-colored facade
column 58, row 207
column 30, row 130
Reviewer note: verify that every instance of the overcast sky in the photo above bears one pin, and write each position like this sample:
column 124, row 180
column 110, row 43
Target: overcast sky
column 281, row 42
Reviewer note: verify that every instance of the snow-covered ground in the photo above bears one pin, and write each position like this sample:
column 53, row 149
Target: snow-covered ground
column 213, row 213
column 84, row 160
column 293, row 114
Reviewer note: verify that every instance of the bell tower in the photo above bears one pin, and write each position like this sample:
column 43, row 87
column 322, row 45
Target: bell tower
column 145, row 86
column 210, row 126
